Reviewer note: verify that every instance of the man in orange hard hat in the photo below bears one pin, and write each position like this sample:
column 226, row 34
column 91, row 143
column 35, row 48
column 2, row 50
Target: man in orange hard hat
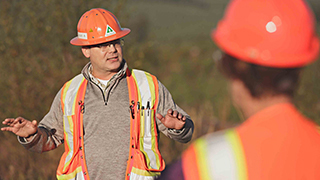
column 265, row 45
column 109, row 116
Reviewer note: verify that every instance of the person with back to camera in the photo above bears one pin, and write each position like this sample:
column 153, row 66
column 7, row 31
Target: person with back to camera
column 266, row 43
column 109, row 116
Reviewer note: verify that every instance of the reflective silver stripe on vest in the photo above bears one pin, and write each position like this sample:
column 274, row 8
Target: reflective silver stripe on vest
column 221, row 158
column 71, row 95
column 79, row 176
column 143, row 86
column 69, row 111
column 225, row 158
column 145, row 95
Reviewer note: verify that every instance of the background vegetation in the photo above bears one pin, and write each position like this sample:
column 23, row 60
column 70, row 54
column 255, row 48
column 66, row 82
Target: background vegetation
column 169, row 38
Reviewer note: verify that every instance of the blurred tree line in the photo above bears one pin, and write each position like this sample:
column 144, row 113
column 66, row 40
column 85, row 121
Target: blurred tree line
column 37, row 59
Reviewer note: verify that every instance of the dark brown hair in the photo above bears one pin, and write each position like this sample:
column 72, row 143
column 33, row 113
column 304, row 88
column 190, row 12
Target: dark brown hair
column 260, row 80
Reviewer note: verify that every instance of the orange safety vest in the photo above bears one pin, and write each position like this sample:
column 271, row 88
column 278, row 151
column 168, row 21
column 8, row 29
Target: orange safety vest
column 276, row 143
column 145, row 161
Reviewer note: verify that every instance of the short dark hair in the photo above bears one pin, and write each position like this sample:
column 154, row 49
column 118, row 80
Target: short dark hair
column 261, row 80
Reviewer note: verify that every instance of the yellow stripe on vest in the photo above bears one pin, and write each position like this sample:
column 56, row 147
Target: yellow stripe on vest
column 219, row 156
column 71, row 176
column 201, row 149
column 235, row 142
column 146, row 98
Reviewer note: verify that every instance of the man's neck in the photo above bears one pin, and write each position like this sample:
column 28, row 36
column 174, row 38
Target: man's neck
column 250, row 105
column 103, row 76
column 254, row 105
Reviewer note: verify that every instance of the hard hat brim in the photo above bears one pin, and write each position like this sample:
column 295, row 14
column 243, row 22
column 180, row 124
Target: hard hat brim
column 83, row 42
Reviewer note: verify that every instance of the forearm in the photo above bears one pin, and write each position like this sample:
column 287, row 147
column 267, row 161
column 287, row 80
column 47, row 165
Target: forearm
column 50, row 130
column 166, row 102
column 183, row 135
column 43, row 140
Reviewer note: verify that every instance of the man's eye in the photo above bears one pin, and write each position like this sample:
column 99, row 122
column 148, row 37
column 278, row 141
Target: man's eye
column 106, row 45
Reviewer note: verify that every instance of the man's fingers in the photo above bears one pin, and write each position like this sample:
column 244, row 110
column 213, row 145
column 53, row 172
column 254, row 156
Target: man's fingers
column 8, row 121
column 34, row 122
column 6, row 129
column 19, row 120
column 16, row 121
column 159, row 116
column 175, row 114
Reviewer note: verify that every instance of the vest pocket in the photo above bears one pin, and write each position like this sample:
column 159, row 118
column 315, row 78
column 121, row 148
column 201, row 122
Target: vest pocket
column 143, row 163
column 147, row 156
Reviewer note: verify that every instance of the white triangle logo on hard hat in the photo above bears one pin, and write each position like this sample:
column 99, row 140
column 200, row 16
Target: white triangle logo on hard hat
column 109, row 31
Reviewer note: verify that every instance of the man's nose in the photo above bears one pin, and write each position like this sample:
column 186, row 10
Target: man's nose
column 112, row 48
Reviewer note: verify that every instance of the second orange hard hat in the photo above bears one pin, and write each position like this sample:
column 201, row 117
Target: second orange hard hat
column 272, row 33
column 98, row 26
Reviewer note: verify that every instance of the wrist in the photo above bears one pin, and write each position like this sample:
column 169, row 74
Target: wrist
column 31, row 135
column 174, row 130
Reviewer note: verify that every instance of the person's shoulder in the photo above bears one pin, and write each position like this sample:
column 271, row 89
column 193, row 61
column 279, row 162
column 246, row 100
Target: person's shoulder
column 78, row 77
column 140, row 71
column 218, row 135
column 216, row 140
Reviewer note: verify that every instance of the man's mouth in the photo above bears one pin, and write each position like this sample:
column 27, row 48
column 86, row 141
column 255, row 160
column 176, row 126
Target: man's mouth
column 113, row 58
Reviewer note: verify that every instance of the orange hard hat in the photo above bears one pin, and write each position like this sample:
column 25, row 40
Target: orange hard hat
column 272, row 33
column 98, row 26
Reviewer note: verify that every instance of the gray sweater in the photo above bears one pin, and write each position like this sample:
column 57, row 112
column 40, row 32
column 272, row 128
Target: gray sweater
column 106, row 126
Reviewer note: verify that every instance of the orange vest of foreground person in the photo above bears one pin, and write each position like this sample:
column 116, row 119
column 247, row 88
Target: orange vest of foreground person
column 277, row 143
column 145, row 161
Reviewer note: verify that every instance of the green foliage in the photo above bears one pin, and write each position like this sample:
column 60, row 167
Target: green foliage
column 36, row 60
column 170, row 39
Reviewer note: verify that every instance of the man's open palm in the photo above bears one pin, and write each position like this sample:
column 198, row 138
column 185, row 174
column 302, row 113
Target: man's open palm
column 172, row 120
column 20, row 126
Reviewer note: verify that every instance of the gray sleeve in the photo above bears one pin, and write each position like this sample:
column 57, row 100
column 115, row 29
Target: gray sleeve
column 50, row 130
column 166, row 102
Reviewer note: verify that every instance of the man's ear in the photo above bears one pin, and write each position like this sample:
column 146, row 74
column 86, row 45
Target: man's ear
column 238, row 91
column 86, row 51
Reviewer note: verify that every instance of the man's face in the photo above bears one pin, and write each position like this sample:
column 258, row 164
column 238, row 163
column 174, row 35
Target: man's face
column 105, row 58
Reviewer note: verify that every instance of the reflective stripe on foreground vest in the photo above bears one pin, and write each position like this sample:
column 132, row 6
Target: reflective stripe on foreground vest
column 72, row 163
column 215, row 157
column 145, row 161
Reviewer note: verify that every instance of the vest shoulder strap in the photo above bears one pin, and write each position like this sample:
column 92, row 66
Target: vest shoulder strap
column 147, row 86
column 69, row 94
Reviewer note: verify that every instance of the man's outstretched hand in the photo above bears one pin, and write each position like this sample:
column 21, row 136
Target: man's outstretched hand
column 172, row 120
column 20, row 126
